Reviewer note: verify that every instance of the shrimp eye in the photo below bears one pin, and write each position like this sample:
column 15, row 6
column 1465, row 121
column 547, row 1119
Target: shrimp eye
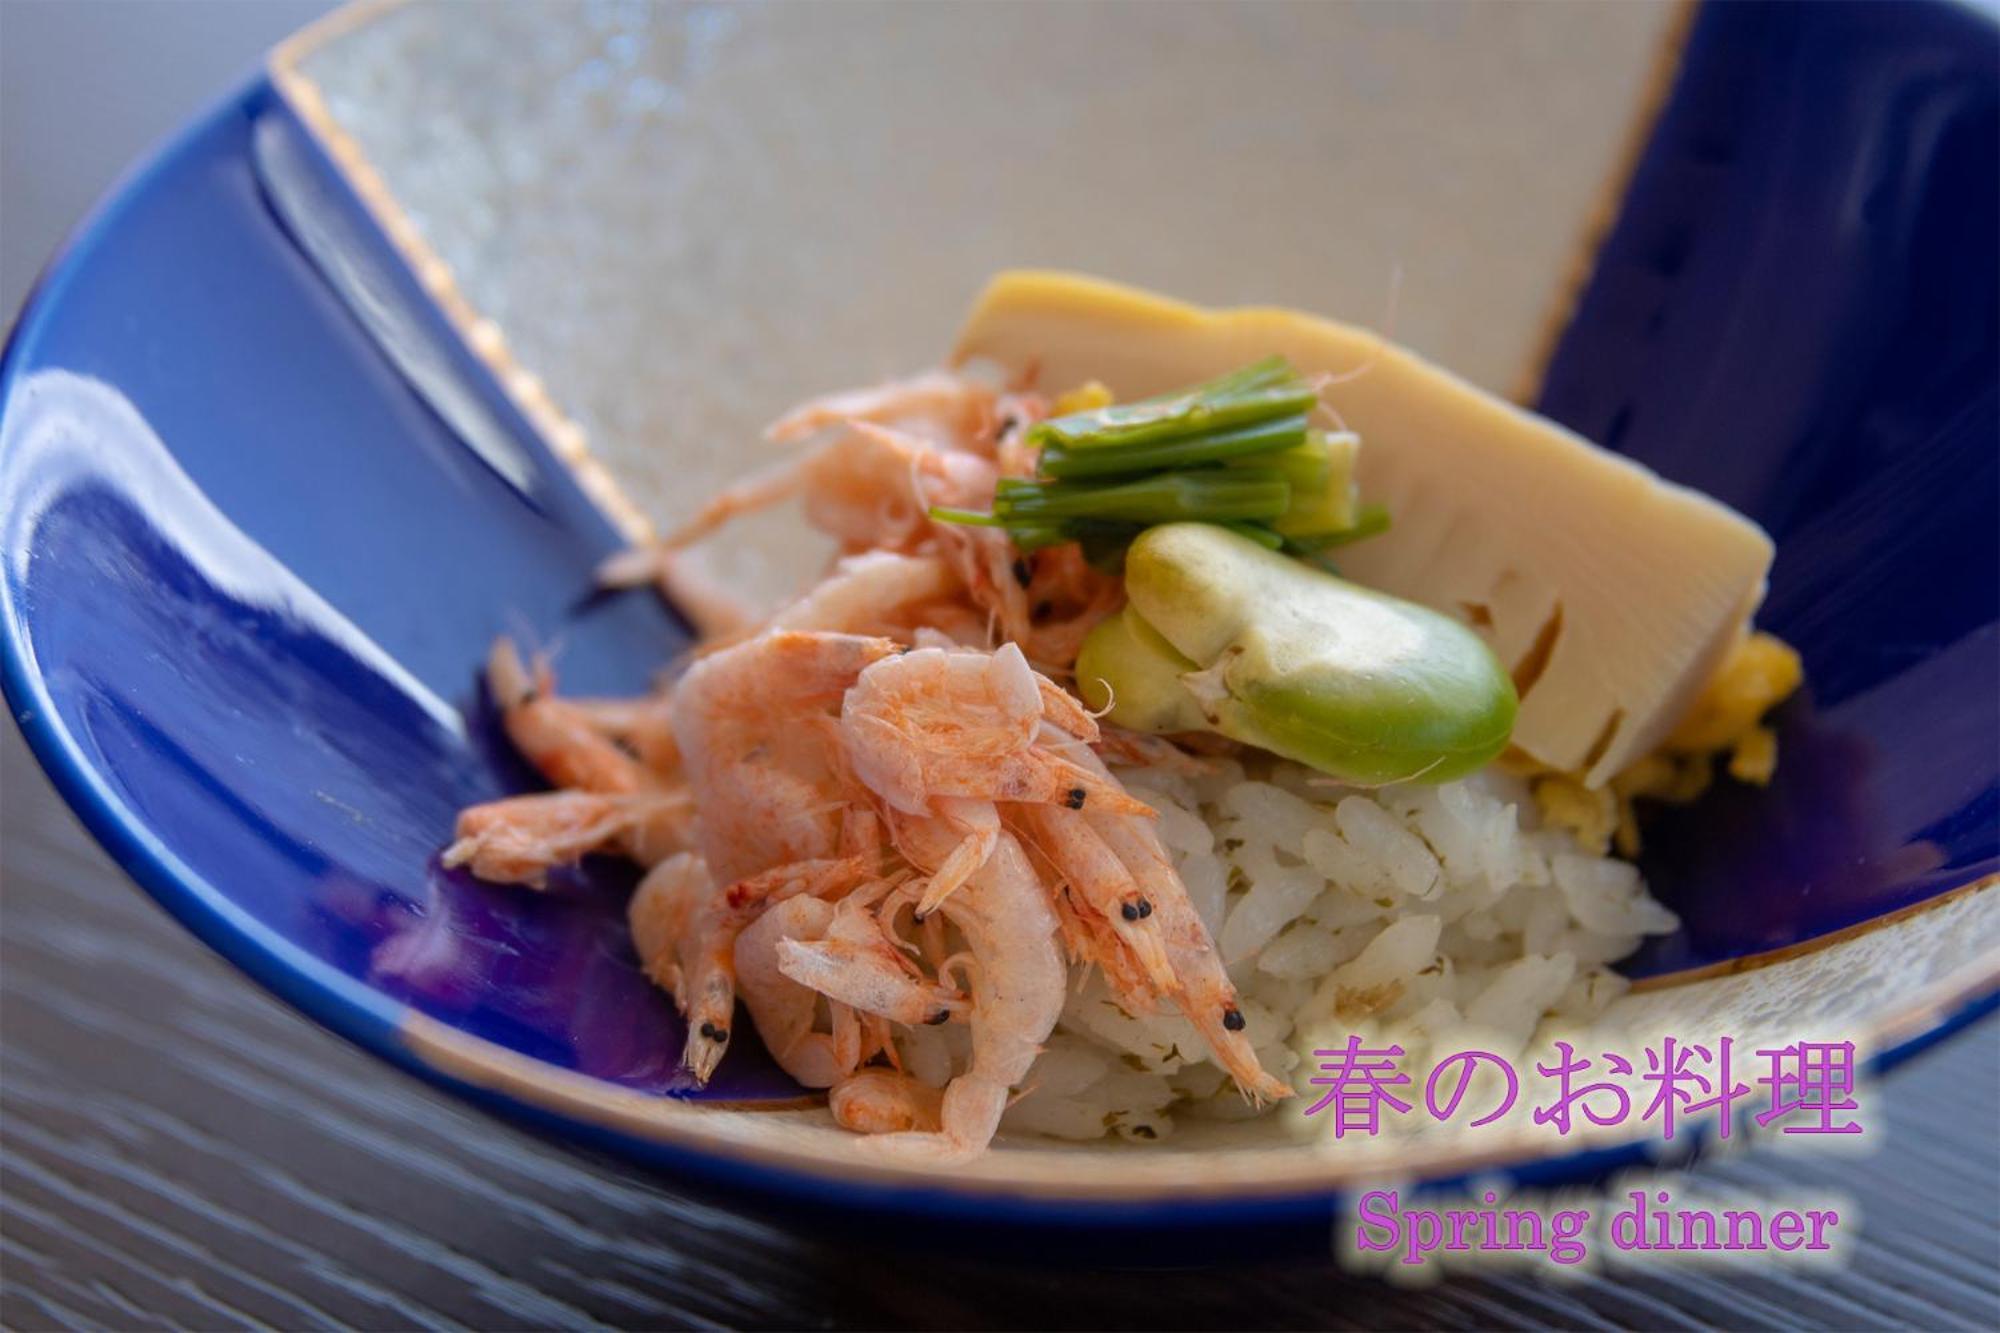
column 1130, row 911
column 1024, row 574
column 714, row 1033
column 1145, row 907
column 1232, row 1019
column 941, row 1016
column 1075, row 798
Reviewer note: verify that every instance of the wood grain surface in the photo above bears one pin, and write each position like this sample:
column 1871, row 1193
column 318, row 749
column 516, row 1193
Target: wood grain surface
column 177, row 1149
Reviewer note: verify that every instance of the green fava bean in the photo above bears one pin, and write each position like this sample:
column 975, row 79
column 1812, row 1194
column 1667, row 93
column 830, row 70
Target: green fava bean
column 1221, row 634
column 1127, row 659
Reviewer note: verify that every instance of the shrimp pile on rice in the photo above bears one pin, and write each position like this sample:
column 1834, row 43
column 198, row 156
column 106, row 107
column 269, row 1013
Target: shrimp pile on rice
column 875, row 817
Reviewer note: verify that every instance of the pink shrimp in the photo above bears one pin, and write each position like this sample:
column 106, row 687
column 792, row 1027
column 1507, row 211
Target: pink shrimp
column 1017, row 994
column 642, row 726
column 977, row 825
column 934, row 723
column 1014, row 414
column 951, row 409
column 1066, row 598
column 1201, row 989
column 760, row 490
column 711, row 611
column 685, row 925
column 770, row 786
column 875, row 592
column 869, row 487
column 783, row 1010
column 551, row 733
column 852, row 961
column 1104, row 889
column 882, row 1101
column 986, row 563
column 518, row 840
column 942, row 735
column 1090, row 941
column 872, row 486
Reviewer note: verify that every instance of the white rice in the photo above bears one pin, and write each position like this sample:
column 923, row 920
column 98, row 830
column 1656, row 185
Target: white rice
column 1414, row 914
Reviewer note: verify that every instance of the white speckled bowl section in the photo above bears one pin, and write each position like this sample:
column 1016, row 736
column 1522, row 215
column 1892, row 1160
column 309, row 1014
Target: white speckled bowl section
column 685, row 218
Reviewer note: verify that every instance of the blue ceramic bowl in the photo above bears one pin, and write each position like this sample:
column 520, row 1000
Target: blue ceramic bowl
column 383, row 354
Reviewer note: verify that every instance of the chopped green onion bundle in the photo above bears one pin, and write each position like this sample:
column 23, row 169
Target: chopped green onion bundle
column 1236, row 451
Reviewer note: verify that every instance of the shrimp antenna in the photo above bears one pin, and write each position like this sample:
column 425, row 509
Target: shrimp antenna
column 541, row 653
column 1382, row 337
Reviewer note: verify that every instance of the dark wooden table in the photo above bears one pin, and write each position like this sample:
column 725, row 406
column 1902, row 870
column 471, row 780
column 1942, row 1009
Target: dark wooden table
column 179, row 1149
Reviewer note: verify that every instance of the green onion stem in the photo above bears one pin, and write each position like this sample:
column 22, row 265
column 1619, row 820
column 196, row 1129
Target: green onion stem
column 1269, row 388
column 1307, row 466
column 1213, row 496
column 1243, row 441
column 977, row 518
